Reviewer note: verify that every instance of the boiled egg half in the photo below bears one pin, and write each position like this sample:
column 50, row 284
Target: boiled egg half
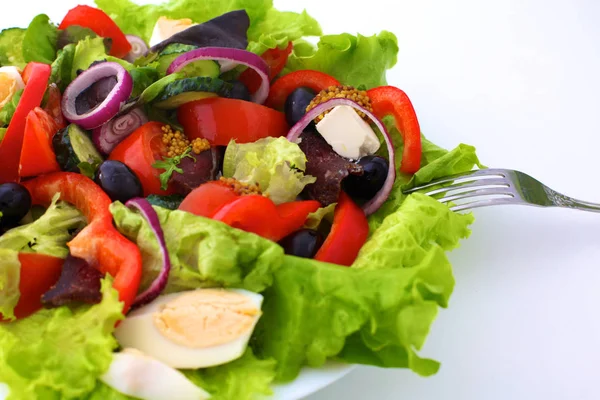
column 194, row 329
column 10, row 83
column 165, row 28
column 135, row 374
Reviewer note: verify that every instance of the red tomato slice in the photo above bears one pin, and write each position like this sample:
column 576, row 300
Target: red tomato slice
column 38, row 274
column 139, row 151
column 98, row 21
column 37, row 154
column 220, row 120
column 53, row 106
column 207, row 199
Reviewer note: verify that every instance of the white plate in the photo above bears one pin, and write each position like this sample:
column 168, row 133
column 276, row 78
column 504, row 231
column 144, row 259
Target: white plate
column 520, row 80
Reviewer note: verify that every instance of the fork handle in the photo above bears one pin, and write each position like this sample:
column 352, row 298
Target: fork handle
column 560, row 200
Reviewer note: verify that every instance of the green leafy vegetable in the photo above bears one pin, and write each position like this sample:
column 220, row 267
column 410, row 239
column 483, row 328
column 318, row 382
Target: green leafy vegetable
column 269, row 27
column 377, row 315
column 59, row 353
column 143, row 77
column 2, row 133
column 9, row 108
column 243, row 379
column 39, row 42
column 314, row 220
column 48, row 234
column 62, row 67
column 276, row 164
column 86, row 52
column 203, row 252
column 9, row 282
column 89, row 168
column 353, row 60
column 171, row 165
column 73, row 34
column 11, row 47
column 170, row 202
column 152, row 91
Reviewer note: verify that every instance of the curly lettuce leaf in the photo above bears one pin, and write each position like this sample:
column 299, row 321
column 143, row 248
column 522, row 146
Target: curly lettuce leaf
column 314, row 220
column 59, row 353
column 268, row 26
column 48, row 234
column 87, row 51
column 203, row 252
column 242, row 379
column 353, row 60
column 62, row 67
column 275, row 164
column 11, row 47
column 9, row 282
column 7, row 112
column 39, row 42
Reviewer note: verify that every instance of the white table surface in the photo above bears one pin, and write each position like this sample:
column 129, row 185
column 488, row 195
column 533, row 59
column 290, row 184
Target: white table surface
column 520, row 80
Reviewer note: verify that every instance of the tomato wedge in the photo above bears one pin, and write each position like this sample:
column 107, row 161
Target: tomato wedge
column 39, row 273
column 36, row 76
column 139, row 151
column 275, row 58
column 98, row 21
column 54, row 107
column 285, row 85
column 220, row 120
column 37, row 154
column 348, row 233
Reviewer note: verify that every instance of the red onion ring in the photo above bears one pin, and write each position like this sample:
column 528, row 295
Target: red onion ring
column 109, row 106
column 138, row 48
column 109, row 135
column 372, row 205
column 159, row 284
column 237, row 56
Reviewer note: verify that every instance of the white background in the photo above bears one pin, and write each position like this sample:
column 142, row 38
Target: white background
column 520, row 80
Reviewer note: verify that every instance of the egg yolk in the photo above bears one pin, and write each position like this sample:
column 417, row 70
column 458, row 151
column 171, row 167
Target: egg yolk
column 8, row 87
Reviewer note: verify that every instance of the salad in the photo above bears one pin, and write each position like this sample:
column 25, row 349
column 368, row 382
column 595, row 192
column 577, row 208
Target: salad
column 195, row 202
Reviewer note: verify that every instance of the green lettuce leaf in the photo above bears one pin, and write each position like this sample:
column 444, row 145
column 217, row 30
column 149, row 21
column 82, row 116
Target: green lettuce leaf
column 59, row 353
column 2, row 133
column 9, row 282
column 203, row 252
column 275, row 164
column 47, row 235
column 62, row 67
column 269, row 27
column 376, row 315
column 242, row 379
column 314, row 220
column 86, row 52
column 11, row 47
column 353, row 60
column 39, row 42
column 9, row 108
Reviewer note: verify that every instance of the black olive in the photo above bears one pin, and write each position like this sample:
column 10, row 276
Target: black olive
column 303, row 243
column 118, row 181
column 15, row 202
column 366, row 186
column 296, row 103
column 239, row 91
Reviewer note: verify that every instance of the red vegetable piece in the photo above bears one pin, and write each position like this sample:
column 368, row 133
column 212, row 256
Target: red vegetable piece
column 208, row 198
column 36, row 75
column 220, row 120
column 99, row 243
column 53, row 105
column 348, row 233
column 389, row 100
column 285, row 85
column 37, row 154
column 98, row 21
column 275, row 58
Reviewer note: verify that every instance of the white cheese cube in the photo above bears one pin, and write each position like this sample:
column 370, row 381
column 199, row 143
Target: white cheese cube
column 348, row 134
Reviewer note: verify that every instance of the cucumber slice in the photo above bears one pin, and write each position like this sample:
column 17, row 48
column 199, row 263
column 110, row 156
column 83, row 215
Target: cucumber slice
column 74, row 146
column 189, row 89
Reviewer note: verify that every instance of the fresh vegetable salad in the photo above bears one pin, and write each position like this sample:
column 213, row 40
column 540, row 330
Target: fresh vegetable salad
column 197, row 202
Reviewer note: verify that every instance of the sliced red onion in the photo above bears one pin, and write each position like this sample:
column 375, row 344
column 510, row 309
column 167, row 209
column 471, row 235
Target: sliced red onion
column 228, row 55
column 372, row 205
column 138, row 48
column 109, row 135
column 109, row 107
column 159, row 284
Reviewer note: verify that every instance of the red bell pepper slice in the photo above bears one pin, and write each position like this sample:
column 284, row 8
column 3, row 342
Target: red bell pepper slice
column 98, row 21
column 285, row 85
column 389, row 100
column 99, row 243
column 208, row 198
column 37, row 153
column 275, row 58
column 39, row 273
column 259, row 215
column 348, row 233
column 36, row 76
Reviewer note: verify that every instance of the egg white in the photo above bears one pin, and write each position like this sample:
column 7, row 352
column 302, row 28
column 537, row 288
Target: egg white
column 139, row 332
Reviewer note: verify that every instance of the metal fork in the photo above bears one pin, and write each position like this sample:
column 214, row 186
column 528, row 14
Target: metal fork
column 490, row 187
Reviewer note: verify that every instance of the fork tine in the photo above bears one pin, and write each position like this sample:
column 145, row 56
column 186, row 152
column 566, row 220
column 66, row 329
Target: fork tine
column 479, row 173
column 470, row 184
column 503, row 191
